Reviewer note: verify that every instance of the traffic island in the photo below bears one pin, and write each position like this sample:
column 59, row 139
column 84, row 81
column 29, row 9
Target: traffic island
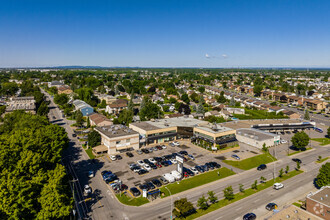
column 251, row 162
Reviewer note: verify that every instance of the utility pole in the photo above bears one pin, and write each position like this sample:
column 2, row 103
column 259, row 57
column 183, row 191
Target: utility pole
column 171, row 203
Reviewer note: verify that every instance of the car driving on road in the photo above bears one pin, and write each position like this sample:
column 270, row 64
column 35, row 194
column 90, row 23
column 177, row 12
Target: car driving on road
column 262, row 167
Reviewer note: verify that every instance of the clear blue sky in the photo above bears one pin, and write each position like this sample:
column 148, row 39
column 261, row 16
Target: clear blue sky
column 165, row 33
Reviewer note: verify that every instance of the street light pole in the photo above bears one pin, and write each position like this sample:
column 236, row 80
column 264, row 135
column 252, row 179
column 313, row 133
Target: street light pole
column 274, row 168
column 171, row 202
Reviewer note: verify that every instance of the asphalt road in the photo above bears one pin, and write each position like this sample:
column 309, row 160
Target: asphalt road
column 104, row 205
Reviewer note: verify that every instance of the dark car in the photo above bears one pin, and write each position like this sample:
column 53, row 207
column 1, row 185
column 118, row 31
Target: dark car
column 215, row 164
column 296, row 160
column 106, row 174
column 205, row 168
column 142, row 171
column 156, row 182
column 146, row 151
column 135, row 191
column 183, row 152
column 74, row 135
column 129, row 154
column 150, row 185
column 209, row 165
column 271, row 206
column 118, row 157
column 111, row 178
column 144, row 186
column 249, row 216
column 164, row 163
column 159, row 147
column 262, row 167
column 158, row 165
column 153, row 166
column 146, row 161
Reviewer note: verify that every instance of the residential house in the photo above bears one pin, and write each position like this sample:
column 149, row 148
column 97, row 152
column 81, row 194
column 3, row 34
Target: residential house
column 291, row 114
column 117, row 106
column 65, row 89
column 212, row 113
column 97, row 119
column 315, row 104
column 275, row 109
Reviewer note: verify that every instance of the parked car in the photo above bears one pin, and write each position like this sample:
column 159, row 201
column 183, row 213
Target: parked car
column 296, row 160
column 173, row 161
column 194, row 170
column 147, row 167
column 156, row 182
column 163, row 180
column 139, row 152
column 158, row 165
column 74, row 135
column 271, row 206
column 146, row 151
column 191, row 157
column 283, row 141
column 118, row 157
column 152, row 160
column 150, row 185
column 150, row 150
column 111, row 178
column 154, row 149
column 129, row 154
column 175, row 143
column 136, row 169
column 135, row 191
column 278, row 186
column 159, row 147
column 143, row 186
column 235, row 157
column 90, row 173
column 140, row 162
column 261, row 167
column 205, row 168
column 106, row 174
column 249, row 216
column 183, row 152
column 87, row 189
column 200, row 169
column 113, row 157
column 215, row 165
column 163, row 147
column 142, row 171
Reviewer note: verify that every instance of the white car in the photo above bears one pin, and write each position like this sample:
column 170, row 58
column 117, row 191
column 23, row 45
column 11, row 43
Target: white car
column 147, row 167
column 87, row 189
column 163, row 146
column 174, row 161
column 176, row 143
column 112, row 157
column 194, row 170
column 140, row 162
column 152, row 160
column 283, row 141
column 278, row 186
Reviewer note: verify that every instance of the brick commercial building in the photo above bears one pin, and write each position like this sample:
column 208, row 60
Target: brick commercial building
column 318, row 203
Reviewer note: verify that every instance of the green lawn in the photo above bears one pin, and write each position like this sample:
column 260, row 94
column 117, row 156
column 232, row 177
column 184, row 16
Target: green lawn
column 196, row 181
column 130, row 201
column 90, row 153
column 299, row 151
column 239, row 196
column 251, row 162
column 323, row 141
column 322, row 160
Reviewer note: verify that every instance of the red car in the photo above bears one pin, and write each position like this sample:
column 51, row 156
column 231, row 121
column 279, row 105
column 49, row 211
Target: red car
column 185, row 174
column 158, row 165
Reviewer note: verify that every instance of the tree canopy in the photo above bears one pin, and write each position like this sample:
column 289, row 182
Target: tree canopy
column 33, row 183
column 323, row 178
column 300, row 140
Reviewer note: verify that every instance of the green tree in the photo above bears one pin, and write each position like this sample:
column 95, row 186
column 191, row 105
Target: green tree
column 202, row 203
column 280, row 174
column 150, row 110
column 297, row 165
column 194, row 97
column 306, row 115
column 94, row 139
column 43, row 109
column 300, row 140
column 88, row 123
column 323, row 178
column 201, row 89
column 200, row 108
column 328, row 132
column 241, row 188
column 53, row 90
column 264, row 148
column 185, row 98
column 183, row 208
column 61, row 99
column 287, row 168
column 103, row 104
column 125, row 117
column 257, row 90
column 262, row 179
column 9, row 88
column 232, row 102
column 130, row 105
column 212, row 198
column 79, row 118
column 229, row 193
column 255, row 185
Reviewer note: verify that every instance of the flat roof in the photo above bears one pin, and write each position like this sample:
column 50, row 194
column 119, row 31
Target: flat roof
column 322, row 196
column 248, row 123
column 113, row 131
column 168, row 122
column 255, row 134
column 214, row 128
column 293, row 212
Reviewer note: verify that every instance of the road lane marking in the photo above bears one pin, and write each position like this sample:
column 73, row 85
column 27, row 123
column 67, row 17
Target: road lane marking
column 238, row 208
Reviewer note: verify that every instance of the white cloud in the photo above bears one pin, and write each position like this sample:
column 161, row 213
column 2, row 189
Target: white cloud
column 207, row 56
column 225, row 56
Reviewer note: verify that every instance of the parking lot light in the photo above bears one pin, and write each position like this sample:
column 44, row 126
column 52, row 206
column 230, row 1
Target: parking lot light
column 171, row 202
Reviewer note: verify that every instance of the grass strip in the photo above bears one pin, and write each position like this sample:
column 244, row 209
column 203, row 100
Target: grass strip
column 323, row 141
column 196, row 181
column 251, row 162
column 322, row 160
column 297, row 152
column 123, row 198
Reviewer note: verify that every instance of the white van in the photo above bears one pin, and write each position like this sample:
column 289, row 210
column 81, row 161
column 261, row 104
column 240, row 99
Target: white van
column 169, row 177
column 176, row 175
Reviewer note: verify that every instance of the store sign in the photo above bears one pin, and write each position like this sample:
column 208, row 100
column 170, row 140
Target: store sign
column 179, row 159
